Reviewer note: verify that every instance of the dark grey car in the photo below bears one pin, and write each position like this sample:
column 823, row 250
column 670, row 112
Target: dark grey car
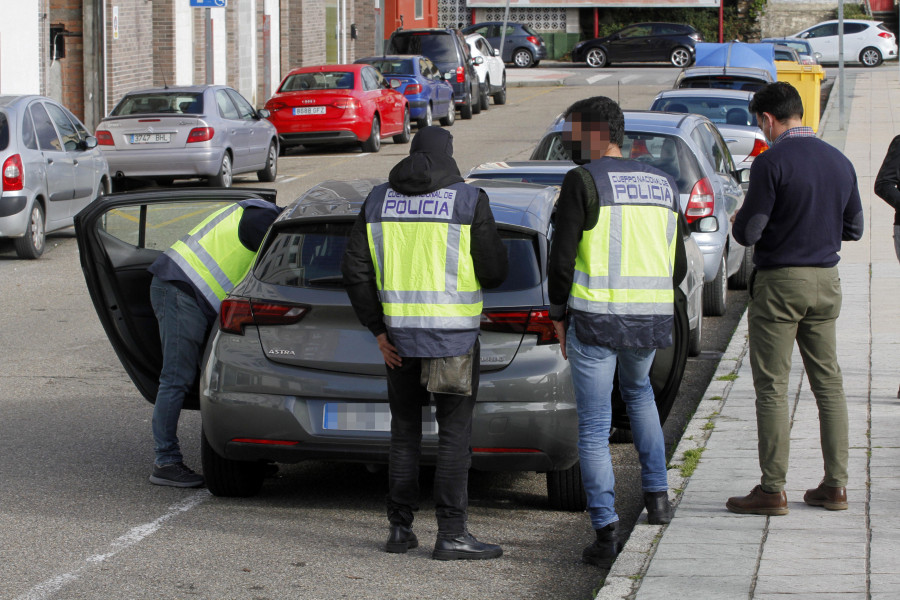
column 522, row 45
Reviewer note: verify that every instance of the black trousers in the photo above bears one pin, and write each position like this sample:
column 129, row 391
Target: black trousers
column 454, row 417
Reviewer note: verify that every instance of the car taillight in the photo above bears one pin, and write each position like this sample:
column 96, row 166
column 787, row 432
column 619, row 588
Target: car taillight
column 13, row 175
column 104, row 138
column 275, row 105
column 236, row 313
column 701, row 202
column 533, row 39
column 759, row 146
column 413, row 89
column 346, row 103
column 886, row 35
column 460, row 75
column 535, row 321
column 201, row 134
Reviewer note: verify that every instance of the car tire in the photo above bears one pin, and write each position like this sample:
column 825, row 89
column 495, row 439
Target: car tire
column 373, row 144
column 695, row 337
column 224, row 177
column 535, row 63
column 500, row 97
column 523, row 58
column 476, row 101
column 680, row 57
column 229, row 478
column 404, row 136
column 31, row 245
column 484, row 100
column 565, row 490
column 741, row 278
column 450, row 119
column 715, row 292
column 427, row 120
column 466, row 111
column 596, row 58
column 270, row 172
column 870, row 57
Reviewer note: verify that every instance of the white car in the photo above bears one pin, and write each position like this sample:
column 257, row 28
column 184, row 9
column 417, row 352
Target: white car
column 490, row 69
column 866, row 42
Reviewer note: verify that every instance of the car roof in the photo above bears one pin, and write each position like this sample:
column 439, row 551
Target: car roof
column 648, row 120
column 523, row 166
column 761, row 74
column 366, row 59
column 706, row 92
column 355, row 68
column 175, row 89
column 10, row 100
column 447, row 30
column 482, row 23
column 866, row 21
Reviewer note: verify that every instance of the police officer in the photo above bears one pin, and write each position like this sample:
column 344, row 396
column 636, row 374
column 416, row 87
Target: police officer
column 424, row 245
column 190, row 280
column 617, row 254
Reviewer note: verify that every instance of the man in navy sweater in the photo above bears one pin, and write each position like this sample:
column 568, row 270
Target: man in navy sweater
column 802, row 202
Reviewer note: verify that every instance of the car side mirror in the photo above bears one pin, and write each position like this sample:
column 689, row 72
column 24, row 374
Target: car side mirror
column 478, row 60
column 742, row 175
column 804, row 35
column 705, row 225
column 395, row 83
column 496, row 52
column 88, row 143
column 263, row 113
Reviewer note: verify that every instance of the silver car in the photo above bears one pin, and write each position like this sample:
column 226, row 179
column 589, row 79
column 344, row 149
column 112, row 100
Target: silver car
column 207, row 131
column 691, row 149
column 51, row 169
column 290, row 374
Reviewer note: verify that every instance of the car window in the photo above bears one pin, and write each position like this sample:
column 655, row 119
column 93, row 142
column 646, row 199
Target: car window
column 370, row 79
column 483, row 30
column 156, row 226
column 70, row 137
column 82, row 131
column 28, row 136
column 722, row 82
column 536, row 178
column 227, row 109
column 398, row 66
column 709, row 146
column 668, row 29
column 439, row 47
column 826, row 30
column 854, row 28
column 4, row 131
column 733, row 111
column 636, row 31
column 425, row 68
column 529, row 30
column 244, row 108
column 159, row 102
column 722, row 150
column 325, row 80
column 46, row 134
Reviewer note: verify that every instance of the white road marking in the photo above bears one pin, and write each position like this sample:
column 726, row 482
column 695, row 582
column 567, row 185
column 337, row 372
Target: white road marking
column 287, row 179
column 629, row 78
column 595, row 78
column 363, row 154
column 137, row 534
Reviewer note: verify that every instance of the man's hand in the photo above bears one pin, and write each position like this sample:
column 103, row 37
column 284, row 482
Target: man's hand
column 560, row 327
column 391, row 358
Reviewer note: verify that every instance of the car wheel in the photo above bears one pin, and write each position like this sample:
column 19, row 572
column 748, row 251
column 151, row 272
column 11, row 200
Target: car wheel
column 373, row 144
column 427, row 120
column 484, row 101
column 523, row 58
column 229, row 478
column 695, row 337
column 535, row 63
column 271, row 170
column 500, row 97
column 715, row 292
column 403, row 136
column 450, row 119
column 680, row 57
column 565, row 490
column 870, row 57
column 741, row 279
column 476, row 101
column 596, row 57
column 31, row 245
column 466, row 110
column 224, row 177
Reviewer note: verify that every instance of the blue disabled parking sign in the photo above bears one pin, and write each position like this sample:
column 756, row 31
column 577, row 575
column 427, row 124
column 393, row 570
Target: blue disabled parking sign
column 209, row 3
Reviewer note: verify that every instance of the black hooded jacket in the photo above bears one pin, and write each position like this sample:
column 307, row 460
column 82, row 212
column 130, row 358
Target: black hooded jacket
column 429, row 167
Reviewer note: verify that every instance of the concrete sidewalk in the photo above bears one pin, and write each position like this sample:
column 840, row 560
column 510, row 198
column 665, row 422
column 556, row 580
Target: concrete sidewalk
column 710, row 553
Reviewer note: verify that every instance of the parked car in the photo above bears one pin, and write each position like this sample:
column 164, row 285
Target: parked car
column 729, row 110
column 552, row 172
column 338, row 104
column 807, row 55
column 490, row 69
column 786, row 53
column 866, row 42
column 522, row 45
column 290, row 372
column 727, row 78
column 183, row 132
column 691, row 149
column 429, row 95
column 642, row 42
column 448, row 50
column 51, row 168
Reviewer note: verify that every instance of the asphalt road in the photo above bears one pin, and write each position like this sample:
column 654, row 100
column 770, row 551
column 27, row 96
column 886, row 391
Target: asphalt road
column 78, row 518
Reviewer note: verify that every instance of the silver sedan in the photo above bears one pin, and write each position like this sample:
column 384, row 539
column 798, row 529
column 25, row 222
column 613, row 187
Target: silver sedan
column 206, row 131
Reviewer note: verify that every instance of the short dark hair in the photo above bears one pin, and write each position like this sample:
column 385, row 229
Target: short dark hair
column 601, row 109
column 779, row 99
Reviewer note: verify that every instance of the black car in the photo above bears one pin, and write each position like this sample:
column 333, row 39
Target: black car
column 522, row 45
column 448, row 50
column 642, row 42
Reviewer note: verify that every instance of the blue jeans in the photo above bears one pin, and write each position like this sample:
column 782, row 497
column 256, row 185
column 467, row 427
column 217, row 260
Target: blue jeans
column 593, row 369
column 182, row 331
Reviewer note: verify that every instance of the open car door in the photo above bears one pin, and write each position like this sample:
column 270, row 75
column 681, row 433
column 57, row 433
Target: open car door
column 119, row 236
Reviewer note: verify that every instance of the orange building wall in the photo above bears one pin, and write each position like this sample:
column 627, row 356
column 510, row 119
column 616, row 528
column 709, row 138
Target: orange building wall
column 394, row 9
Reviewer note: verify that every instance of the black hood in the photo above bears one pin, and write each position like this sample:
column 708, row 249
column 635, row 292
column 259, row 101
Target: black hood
column 429, row 166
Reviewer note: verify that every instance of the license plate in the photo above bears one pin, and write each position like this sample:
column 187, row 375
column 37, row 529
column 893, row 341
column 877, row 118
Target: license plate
column 309, row 110
column 150, row 138
column 363, row 416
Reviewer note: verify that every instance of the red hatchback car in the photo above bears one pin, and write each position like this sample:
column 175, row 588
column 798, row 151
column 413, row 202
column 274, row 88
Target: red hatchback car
column 338, row 104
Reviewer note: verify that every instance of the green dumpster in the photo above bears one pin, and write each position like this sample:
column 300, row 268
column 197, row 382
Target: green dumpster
column 808, row 81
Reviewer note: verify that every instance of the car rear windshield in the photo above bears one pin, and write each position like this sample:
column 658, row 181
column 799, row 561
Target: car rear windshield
column 665, row 152
column 732, row 111
column 309, row 256
column 4, row 131
column 529, row 30
column 436, row 46
column 394, row 67
column 324, row 80
column 723, row 82
column 536, row 178
column 159, row 102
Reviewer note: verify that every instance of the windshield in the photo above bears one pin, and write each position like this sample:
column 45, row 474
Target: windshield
column 436, row 46
column 159, row 102
column 321, row 80
column 732, row 111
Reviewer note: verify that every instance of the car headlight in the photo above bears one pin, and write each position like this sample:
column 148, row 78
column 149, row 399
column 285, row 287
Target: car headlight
column 579, row 45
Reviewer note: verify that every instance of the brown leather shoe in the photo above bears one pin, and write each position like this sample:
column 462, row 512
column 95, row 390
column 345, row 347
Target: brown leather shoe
column 832, row 498
column 759, row 502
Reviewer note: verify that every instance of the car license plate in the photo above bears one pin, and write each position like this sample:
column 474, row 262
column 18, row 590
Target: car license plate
column 366, row 416
column 309, row 110
column 150, row 138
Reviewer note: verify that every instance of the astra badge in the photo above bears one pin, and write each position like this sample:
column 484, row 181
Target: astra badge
column 279, row 352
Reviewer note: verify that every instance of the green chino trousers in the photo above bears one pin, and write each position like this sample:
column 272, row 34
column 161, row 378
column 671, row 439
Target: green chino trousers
column 801, row 303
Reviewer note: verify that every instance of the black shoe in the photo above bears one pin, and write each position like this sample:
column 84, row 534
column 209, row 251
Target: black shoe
column 175, row 475
column 463, row 546
column 659, row 510
column 401, row 539
column 605, row 548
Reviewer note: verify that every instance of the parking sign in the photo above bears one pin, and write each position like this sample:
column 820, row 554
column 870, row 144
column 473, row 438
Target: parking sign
column 209, row 3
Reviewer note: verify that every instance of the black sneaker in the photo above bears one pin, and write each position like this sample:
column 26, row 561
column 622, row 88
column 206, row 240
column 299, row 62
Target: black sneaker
column 175, row 475
column 463, row 546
